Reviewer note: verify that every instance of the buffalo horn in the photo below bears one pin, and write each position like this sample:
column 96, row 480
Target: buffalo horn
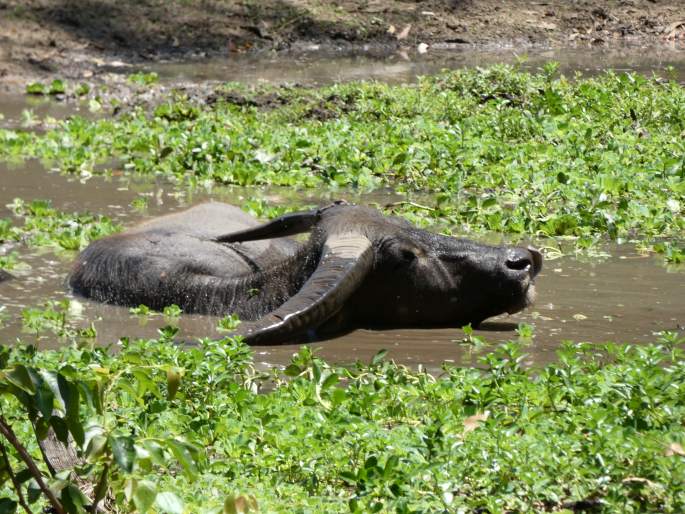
column 345, row 260
column 286, row 225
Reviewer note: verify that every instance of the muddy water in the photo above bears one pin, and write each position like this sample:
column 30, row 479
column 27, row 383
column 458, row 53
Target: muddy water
column 320, row 68
column 626, row 297
column 17, row 111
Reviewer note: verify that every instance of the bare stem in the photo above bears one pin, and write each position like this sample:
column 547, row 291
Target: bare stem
column 8, row 433
column 412, row 204
column 13, row 478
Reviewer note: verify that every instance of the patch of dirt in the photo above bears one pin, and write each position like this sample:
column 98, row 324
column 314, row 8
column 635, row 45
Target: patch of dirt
column 330, row 107
column 264, row 101
column 79, row 39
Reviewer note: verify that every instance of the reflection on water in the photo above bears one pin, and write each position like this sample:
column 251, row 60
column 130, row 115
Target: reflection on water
column 624, row 298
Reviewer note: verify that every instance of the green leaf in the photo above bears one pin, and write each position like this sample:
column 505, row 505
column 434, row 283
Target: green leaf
column 183, row 455
column 400, row 158
column 123, row 451
column 50, row 378
column 23, row 476
column 156, row 452
column 173, row 381
column 7, row 506
column 82, row 89
column 102, row 486
column 36, row 88
column 45, row 399
column 33, row 491
column 330, row 380
column 57, row 87
column 96, row 447
column 59, row 425
column 292, row 370
column 144, row 494
column 72, row 499
column 172, row 311
column 390, row 465
column 70, row 396
column 145, row 382
column 339, row 395
column 169, row 503
column 378, row 358
column 19, row 377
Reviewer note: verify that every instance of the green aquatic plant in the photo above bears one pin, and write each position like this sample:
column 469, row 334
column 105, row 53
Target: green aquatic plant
column 141, row 310
column 673, row 253
column 172, row 311
column 55, row 318
column 9, row 261
column 228, row 323
column 56, row 87
column 44, row 225
column 143, row 79
column 41, row 225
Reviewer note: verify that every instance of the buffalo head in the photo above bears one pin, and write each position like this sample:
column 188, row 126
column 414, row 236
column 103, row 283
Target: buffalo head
column 378, row 270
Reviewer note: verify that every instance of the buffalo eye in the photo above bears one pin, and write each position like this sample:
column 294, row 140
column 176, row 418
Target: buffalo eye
column 407, row 255
column 398, row 253
column 404, row 256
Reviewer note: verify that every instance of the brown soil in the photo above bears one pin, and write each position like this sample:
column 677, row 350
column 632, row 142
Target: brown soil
column 77, row 39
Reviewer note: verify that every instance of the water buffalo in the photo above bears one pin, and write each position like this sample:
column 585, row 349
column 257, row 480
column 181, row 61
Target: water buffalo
column 358, row 268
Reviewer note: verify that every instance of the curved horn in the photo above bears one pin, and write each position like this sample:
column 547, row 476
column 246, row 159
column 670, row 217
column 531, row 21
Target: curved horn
column 345, row 261
column 286, row 225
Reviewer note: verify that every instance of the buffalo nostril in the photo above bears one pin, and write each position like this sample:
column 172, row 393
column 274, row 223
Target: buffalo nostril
column 520, row 259
column 519, row 263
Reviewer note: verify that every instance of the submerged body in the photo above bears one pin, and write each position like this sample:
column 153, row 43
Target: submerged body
column 358, row 268
column 174, row 259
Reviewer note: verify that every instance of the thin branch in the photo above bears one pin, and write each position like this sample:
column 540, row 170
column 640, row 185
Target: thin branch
column 7, row 431
column 13, row 478
column 412, row 204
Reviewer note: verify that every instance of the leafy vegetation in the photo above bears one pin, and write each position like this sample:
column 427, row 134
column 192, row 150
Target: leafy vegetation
column 491, row 149
column 672, row 252
column 45, row 226
column 56, row 87
column 143, row 79
column 162, row 428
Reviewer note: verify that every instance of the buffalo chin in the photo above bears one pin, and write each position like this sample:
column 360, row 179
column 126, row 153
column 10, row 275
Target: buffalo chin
column 528, row 299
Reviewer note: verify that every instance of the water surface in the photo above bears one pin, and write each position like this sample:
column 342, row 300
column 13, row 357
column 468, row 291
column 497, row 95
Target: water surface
column 322, row 68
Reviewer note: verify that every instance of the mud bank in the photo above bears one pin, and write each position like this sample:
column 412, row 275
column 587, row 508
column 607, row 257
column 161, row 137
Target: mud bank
column 82, row 39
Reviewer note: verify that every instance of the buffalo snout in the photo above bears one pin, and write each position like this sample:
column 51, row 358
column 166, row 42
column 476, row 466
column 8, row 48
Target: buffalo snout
column 524, row 260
